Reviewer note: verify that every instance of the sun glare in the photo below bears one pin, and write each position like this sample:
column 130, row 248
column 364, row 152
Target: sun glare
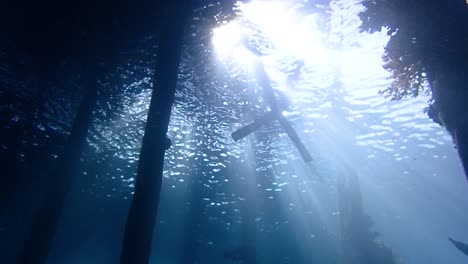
column 227, row 38
column 280, row 23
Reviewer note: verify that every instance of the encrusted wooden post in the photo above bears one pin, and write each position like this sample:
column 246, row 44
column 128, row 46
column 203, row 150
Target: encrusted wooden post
column 143, row 209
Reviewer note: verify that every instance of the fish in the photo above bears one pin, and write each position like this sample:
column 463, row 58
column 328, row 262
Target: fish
column 459, row 245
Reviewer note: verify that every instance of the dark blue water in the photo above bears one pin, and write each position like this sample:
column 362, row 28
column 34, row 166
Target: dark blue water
column 383, row 174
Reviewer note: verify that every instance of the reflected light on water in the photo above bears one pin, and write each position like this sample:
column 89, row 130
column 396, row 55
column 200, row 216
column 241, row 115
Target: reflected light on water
column 227, row 37
column 332, row 78
column 288, row 30
column 280, row 23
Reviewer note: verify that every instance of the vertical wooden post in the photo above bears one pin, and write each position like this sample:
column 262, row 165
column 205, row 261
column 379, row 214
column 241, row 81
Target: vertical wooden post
column 39, row 239
column 143, row 209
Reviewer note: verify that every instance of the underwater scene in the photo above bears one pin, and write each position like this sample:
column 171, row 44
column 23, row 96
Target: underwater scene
column 242, row 132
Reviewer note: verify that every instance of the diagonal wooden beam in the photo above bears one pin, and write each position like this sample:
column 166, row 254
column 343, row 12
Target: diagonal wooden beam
column 254, row 126
column 275, row 114
column 285, row 124
column 296, row 140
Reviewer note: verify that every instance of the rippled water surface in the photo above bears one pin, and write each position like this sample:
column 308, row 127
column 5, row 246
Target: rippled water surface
column 327, row 76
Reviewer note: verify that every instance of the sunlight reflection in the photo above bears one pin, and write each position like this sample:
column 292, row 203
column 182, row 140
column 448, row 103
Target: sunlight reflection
column 227, row 38
column 287, row 29
column 280, row 23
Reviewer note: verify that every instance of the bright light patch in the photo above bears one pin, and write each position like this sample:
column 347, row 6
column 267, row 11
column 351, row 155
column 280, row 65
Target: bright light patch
column 290, row 31
column 280, row 23
column 285, row 33
column 228, row 42
column 227, row 38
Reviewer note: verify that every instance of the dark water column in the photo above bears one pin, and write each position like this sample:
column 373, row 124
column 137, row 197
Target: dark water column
column 143, row 209
column 354, row 223
column 358, row 239
column 194, row 218
column 39, row 239
column 8, row 156
column 249, row 211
